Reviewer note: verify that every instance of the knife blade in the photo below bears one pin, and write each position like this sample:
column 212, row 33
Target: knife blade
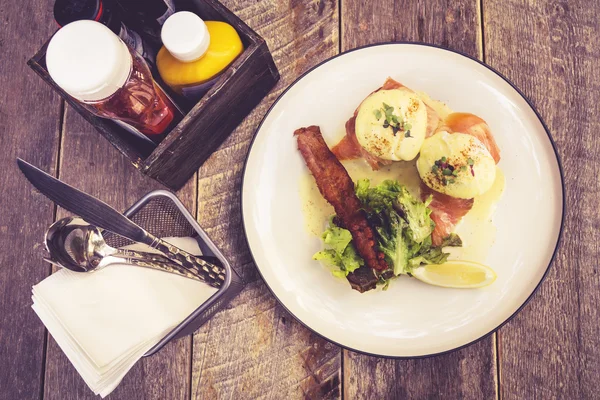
column 92, row 210
column 97, row 212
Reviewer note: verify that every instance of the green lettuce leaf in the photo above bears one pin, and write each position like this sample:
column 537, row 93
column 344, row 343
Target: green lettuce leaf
column 339, row 251
column 453, row 240
column 329, row 257
column 391, row 195
column 434, row 255
column 392, row 242
column 380, row 198
column 403, row 228
column 417, row 215
column 351, row 260
column 402, row 222
column 337, row 238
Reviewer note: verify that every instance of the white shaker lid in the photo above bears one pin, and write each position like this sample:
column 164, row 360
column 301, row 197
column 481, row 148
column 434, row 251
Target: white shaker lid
column 88, row 61
column 185, row 36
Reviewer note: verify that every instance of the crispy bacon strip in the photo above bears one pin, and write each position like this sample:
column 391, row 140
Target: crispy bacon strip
column 337, row 188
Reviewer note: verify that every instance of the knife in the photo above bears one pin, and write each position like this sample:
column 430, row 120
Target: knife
column 98, row 213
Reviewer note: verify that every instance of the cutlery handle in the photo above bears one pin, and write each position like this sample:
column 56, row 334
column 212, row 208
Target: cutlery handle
column 142, row 255
column 170, row 267
column 213, row 275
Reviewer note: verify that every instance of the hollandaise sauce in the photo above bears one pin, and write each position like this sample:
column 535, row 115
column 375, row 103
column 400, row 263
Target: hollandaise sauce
column 476, row 229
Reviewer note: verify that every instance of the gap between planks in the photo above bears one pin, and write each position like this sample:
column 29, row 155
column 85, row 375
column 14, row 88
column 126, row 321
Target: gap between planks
column 481, row 33
column 481, row 51
column 62, row 113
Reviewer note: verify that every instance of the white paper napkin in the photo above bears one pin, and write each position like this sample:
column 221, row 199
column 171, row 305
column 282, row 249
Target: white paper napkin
column 106, row 320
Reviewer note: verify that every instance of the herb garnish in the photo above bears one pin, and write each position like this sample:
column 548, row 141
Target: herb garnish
column 447, row 172
column 471, row 163
column 396, row 122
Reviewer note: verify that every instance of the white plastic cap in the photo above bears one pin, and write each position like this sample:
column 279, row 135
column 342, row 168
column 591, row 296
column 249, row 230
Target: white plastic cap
column 185, row 35
column 88, row 61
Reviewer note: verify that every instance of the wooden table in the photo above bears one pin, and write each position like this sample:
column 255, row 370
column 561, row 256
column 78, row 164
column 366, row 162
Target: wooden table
column 255, row 349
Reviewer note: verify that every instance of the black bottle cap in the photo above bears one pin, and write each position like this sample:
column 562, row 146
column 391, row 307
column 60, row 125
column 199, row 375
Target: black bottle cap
column 66, row 11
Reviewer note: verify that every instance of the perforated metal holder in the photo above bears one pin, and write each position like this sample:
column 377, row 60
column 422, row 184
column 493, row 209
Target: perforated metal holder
column 162, row 214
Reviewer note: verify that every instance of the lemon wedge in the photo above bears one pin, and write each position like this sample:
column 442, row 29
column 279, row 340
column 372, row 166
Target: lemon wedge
column 456, row 274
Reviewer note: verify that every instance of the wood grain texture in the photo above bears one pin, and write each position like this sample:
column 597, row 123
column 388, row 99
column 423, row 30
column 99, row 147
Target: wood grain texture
column 255, row 349
column 29, row 115
column 465, row 374
column 91, row 164
column 549, row 49
column 469, row 373
column 452, row 24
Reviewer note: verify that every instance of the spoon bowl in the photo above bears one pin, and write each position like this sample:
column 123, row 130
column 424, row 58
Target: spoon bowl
column 66, row 242
column 78, row 246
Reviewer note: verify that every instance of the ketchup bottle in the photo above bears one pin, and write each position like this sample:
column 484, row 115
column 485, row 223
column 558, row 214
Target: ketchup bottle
column 93, row 65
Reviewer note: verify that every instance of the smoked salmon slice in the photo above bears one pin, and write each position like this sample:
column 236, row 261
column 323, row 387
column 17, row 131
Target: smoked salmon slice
column 472, row 125
column 349, row 149
column 446, row 212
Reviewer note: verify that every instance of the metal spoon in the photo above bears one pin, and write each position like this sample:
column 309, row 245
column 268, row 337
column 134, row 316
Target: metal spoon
column 78, row 246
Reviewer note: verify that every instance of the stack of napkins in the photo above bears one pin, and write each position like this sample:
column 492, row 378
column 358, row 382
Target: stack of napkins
column 106, row 320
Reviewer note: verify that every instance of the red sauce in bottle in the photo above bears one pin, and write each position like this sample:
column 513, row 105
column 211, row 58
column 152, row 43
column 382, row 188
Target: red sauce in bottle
column 93, row 65
column 139, row 102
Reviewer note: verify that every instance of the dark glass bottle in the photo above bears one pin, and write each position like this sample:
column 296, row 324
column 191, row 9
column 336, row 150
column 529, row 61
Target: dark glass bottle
column 107, row 13
column 149, row 15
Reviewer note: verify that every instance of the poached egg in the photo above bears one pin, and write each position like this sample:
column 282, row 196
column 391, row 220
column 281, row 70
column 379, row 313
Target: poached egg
column 456, row 164
column 391, row 124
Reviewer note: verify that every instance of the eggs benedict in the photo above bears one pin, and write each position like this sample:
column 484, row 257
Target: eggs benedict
column 391, row 124
column 456, row 164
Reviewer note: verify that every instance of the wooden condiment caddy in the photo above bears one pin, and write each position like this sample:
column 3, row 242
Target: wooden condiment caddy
column 204, row 125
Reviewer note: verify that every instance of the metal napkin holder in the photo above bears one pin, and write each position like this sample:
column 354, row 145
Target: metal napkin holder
column 161, row 213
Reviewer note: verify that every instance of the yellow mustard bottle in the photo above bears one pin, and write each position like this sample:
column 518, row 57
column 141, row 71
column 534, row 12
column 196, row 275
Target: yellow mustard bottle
column 195, row 52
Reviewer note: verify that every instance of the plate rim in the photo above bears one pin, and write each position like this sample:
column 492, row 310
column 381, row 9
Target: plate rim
column 539, row 117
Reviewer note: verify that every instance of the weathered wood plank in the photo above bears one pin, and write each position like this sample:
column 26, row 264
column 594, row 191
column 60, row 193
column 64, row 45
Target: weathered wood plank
column 452, row 24
column 90, row 163
column 255, row 349
column 29, row 115
column 465, row 374
column 471, row 372
column 550, row 50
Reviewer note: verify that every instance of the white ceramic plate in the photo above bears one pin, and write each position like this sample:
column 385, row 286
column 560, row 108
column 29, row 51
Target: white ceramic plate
column 410, row 319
